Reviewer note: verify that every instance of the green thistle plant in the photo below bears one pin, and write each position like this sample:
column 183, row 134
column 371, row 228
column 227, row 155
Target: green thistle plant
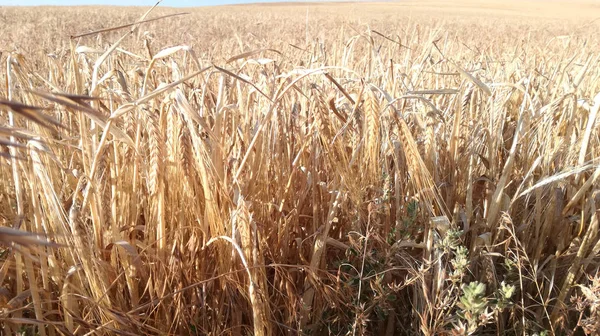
column 460, row 262
column 504, row 296
column 473, row 305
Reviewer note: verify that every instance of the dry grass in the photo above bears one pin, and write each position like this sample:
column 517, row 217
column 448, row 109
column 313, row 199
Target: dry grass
column 397, row 169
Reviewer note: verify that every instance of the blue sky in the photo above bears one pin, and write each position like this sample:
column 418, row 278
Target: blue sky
column 166, row 3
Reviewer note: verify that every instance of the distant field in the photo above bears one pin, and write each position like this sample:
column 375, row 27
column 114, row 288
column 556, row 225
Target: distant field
column 374, row 168
column 45, row 28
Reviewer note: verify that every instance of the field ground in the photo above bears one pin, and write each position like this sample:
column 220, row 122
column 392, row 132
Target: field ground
column 380, row 168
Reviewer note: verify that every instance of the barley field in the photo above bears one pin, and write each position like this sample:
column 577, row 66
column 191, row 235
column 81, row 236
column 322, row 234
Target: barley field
column 395, row 168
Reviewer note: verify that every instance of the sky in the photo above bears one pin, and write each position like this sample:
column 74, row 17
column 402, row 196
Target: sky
column 165, row 3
